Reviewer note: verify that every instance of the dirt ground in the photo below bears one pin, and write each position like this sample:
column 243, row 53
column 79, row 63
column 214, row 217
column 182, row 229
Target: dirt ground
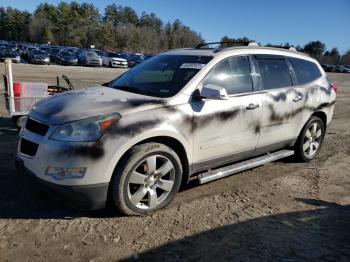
column 283, row 211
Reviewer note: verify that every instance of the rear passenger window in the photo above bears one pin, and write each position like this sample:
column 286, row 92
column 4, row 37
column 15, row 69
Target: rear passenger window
column 305, row 71
column 233, row 74
column 274, row 73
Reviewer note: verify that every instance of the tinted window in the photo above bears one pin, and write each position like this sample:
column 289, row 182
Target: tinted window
column 233, row 74
column 274, row 73
column 305, row 71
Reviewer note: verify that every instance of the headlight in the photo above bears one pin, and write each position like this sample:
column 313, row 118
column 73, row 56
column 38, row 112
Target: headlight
column 86, row 130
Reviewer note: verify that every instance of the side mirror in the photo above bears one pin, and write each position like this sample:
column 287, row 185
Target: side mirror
column 213, row 92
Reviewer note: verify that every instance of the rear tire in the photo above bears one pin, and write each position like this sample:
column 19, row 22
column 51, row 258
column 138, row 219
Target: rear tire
column 310, row 140
column 147, row 179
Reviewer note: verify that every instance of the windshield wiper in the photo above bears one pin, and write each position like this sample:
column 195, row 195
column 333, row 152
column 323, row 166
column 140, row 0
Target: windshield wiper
column 133, row 89
column 129, row 89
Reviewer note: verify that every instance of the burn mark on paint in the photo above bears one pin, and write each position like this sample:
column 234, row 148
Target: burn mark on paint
column 326, row 90
column 257, row 128
column 279, row 97
column 275, row 117
column 201, row 121
column 133, row 128
column 141, row 102
column 95, row 151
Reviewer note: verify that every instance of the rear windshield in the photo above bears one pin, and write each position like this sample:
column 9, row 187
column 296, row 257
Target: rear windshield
column 162, row 75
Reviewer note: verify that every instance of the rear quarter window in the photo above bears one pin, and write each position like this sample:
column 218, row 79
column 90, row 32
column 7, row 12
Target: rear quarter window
column 305, row 71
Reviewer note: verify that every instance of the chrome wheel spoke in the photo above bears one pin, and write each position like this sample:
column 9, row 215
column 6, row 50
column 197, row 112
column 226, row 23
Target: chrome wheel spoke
column 311, row 151
column 308, row 134
column 137, row 178
column 314, row 128
column 316, row 145
column 138, row 195
column 166, row 185
column 152, row 198
column 318, row 133
column 151, row 164
column 306, row 145
column 165, row 168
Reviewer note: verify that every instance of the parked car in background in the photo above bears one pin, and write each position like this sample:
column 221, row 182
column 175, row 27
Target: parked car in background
column 135, row 60
column 66, row 58
column 9, row 54
column 89, row 58
column 54, row 50
column 326, row 67
column 332, row 68
column 112, row 59
column 38, row 57
column 27, row 50
column 342, row 69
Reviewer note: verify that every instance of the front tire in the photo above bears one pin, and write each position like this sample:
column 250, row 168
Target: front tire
column 310, row 140
column 147, row 179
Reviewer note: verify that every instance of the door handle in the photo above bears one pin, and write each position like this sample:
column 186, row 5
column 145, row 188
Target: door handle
column 252, row 106
column 298, row 98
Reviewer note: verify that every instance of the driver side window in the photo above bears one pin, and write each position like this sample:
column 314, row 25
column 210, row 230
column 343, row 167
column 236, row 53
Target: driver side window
column 233, row 74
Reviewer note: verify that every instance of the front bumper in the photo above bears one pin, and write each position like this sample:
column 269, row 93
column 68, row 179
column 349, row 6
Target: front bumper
column 40, row 61
column 69, row 62
column 119, row 64
column 89, row 197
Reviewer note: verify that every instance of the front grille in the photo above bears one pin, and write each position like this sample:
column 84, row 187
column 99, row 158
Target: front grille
column 36, row 127
column 28, row 147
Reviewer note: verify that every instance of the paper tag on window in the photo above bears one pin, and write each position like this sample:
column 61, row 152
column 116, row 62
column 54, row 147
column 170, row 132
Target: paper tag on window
column 192, row 66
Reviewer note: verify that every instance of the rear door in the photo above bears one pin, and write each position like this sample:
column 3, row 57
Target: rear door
column 280, row 114
column 224, row 128
column 307, row 86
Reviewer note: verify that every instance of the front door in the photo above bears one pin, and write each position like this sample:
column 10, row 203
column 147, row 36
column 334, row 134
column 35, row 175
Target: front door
column 225, row 128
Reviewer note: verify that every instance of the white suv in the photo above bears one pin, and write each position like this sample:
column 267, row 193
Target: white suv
column 186, row 114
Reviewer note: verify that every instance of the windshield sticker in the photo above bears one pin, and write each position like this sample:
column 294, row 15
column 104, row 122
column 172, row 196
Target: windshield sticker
column 192, row 66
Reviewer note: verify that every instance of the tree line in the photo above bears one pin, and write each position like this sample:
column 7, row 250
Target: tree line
column 315, row 49
column 82, row 25
column 119, row 28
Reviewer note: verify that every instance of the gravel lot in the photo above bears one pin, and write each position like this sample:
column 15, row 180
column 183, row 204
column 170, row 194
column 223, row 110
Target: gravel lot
column 283, row 211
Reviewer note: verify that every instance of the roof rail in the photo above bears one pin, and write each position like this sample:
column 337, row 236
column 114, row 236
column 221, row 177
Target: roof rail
column 253, row 44
column 233, row 43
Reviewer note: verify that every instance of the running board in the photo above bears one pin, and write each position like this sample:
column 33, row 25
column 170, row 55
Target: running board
column 242, row 166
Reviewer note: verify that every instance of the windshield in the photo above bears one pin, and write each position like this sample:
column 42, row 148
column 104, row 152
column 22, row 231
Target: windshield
column 162, row 75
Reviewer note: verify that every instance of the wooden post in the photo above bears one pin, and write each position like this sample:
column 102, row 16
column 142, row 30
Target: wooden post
column 8, row 66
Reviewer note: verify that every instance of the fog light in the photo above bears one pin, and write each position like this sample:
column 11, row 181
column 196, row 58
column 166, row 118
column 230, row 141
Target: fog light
column 65, row 173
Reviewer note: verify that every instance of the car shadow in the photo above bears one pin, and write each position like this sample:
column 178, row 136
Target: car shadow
column 320, row 234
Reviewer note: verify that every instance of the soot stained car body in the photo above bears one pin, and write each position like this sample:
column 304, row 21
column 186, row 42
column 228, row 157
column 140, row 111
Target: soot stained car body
column 178, row 116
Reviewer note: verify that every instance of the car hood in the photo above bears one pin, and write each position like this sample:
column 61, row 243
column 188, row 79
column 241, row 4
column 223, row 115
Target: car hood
column 89, row 102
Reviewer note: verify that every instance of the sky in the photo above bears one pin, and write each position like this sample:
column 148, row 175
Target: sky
column 265, row 21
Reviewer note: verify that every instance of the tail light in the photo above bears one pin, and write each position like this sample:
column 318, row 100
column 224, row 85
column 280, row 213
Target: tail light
column 334, row 87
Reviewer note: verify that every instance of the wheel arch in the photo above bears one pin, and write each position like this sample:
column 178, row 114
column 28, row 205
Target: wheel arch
column 172, row 142
column 322, row 115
